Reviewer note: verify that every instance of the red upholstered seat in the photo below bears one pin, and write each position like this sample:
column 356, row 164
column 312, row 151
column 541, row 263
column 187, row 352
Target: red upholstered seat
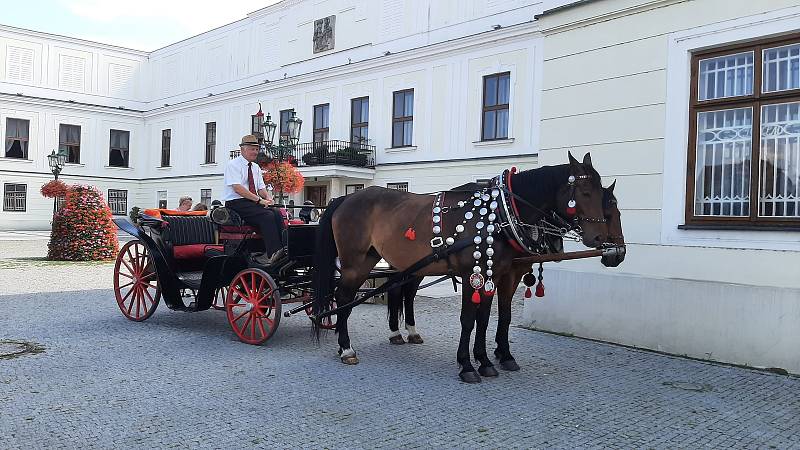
column 194, row 251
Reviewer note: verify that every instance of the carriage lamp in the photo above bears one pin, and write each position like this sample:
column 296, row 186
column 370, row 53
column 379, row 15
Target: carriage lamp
column 57, row 161
column 294, row 124
column 270, row 127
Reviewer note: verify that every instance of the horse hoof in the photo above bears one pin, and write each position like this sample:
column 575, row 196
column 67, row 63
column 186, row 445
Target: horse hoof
column 488, row 371
column 509, row 365
column 415, row 339
column 397, row 340
column 350, row 360
column 470, row 377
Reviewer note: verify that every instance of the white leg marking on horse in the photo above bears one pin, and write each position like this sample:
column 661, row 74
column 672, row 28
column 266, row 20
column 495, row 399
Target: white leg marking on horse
column 412, row 330
column 348, row 352
column 394, row 333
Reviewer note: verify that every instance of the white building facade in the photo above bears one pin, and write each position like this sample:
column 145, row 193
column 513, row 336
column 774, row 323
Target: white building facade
column 448, row 92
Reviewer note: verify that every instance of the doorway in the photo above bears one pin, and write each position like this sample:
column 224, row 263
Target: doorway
column 317, row 194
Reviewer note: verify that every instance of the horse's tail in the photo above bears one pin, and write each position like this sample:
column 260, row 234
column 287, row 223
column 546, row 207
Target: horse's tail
column 324, row 262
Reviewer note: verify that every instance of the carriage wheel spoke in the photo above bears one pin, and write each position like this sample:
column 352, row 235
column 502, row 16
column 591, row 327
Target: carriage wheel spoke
column 261, row 327
column 240, row 316
column 128, row 276
column 236, row 291
column 130, row 269
column 152, row 300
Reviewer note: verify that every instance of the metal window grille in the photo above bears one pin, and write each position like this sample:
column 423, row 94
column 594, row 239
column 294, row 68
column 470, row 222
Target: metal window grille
column 166, row 144
column 398, row 186
column 69, row 142
column 496, row 94
column 162, row 199
column 118, row 153
column 205, row 197
column 211, row 142
column 744, row 142
column 118, row 201
column 403, row 118
column 17, row 134
column 15, row 197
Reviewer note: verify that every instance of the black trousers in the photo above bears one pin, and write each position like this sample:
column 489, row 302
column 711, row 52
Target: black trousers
column 268, row 221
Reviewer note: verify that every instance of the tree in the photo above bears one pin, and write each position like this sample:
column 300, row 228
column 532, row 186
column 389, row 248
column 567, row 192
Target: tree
column 82, row 229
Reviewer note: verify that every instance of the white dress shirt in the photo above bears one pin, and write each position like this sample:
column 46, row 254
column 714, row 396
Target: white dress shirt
column 236, row 173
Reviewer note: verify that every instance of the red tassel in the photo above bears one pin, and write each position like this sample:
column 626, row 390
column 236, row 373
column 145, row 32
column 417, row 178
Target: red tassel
column 571, row 211
column 476, row 297
column 488, row 294
column 528, row 293
column 540, row 289
column 411, row 234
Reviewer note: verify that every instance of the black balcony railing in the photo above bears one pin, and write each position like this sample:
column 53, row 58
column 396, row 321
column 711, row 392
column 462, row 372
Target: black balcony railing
column 329, row 153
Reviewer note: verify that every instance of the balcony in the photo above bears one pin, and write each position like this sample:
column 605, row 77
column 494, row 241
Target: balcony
column 329, row 153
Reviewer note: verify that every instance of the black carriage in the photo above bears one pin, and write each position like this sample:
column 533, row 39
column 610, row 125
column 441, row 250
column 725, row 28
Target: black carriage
column 207, row 261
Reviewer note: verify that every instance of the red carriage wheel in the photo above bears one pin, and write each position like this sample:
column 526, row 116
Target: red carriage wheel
column 136, row 282
column 253, row 306
column 219, row 298
column 328, row 323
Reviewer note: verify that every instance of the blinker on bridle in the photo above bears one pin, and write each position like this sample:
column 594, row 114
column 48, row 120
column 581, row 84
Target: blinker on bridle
column 572, row 204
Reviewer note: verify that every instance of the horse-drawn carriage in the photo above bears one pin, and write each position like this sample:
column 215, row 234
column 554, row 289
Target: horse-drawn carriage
column 206, row 260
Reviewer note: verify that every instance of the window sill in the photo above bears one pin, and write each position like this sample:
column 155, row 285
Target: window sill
column 409, row 148
column 726, row 227
column 164, row 168
column 118, row 167
column 493, row 142
column 208, row 165
column 21, row 160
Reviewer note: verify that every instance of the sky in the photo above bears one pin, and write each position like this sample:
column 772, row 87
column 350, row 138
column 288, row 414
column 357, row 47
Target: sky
column 137, row 24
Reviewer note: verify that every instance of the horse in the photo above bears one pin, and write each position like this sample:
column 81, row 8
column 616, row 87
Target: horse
column 402, row 228
column 401, row 299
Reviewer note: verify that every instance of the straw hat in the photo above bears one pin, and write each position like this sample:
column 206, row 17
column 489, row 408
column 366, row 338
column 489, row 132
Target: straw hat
column 249, row 140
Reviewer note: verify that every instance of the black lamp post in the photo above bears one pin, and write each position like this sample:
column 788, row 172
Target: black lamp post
column 281, row 151
column 56, row 161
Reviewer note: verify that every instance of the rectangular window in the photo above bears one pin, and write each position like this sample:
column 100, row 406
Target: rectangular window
column 402, row 118
column 69, row 142
column 118, row 201
column 17, row 132
column 211, row 142
column 321, row 122
column 205, row 197
column 496, row 93
column 398, row 186
column 744, row 141
column 162, row 199
column 15, row 197
column 359, row 120
column 284, row 124
column 166, row 143
column 351, row 188
column 118, row 149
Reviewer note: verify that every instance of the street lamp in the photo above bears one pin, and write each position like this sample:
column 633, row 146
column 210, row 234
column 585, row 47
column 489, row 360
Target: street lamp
column 283, row 149
column 56, row 162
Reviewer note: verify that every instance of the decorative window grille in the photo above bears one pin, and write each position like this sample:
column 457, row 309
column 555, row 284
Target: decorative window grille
column 71, row 73
column 398, row 186
column 744, row 143
column 321, row 124
column 211, row 142
column 359, row 120
column 17, row 132
column 352, row 188
column 118, row 201
column 205, row 197
column 69, row 142
column 403, row 118
column 118, row 155
column 162, row 199
column 166, row 143
column 15, row 197
column 496, row 93
column 19, row 64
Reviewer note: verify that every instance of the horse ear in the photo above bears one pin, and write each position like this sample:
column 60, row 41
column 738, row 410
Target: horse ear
column 611, row 188
column 587, row 160
column 572, row 160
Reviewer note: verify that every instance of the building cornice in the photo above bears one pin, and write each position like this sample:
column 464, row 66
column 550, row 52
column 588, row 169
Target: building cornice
column 595, row 19
column 71, row 40
column 67, row 104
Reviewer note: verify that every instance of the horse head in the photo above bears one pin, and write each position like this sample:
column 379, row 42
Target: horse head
column 613, row 219
column 579, row 200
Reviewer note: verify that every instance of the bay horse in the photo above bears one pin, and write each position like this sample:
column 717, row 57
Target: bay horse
column 399, row 227
column 401, row 299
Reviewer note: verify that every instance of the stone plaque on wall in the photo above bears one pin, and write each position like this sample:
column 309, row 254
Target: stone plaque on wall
column 324, row 34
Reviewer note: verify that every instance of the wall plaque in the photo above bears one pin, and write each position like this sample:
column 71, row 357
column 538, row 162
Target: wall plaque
column 324, row 33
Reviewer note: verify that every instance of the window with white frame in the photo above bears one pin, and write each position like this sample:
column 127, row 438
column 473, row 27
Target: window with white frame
column 494, row 122
column 118, row 153
column 118, row 201
column 166, row 144
column 398, row 186
column 352, row 188
column 359, row 120
column 403, row 118
column 744, row 139
column 17, row 133
column 15, row 197
column 211, row 142
column 69, row 142
column 205, row 197
column 162, row 199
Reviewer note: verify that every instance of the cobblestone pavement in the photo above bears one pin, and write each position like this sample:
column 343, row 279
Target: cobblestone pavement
column 183, row 380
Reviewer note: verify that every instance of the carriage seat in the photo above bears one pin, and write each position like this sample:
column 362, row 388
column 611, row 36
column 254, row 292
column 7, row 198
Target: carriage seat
column 191, row 236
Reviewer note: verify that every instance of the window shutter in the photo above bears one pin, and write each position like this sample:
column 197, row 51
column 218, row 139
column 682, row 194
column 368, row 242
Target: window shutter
column 71, row 75
column 19, row 64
